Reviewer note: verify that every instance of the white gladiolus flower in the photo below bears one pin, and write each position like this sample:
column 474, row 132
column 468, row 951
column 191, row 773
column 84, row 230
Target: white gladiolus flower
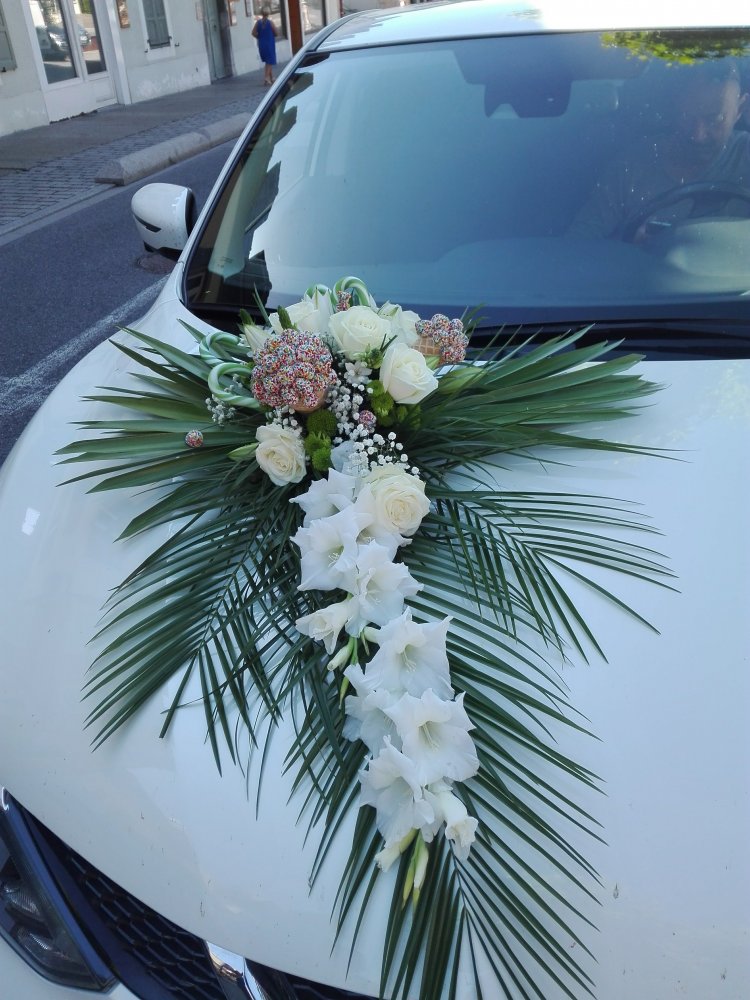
column 391, row 784
column 367, row 719
column 411, row 657
column 358, row 329
column 325, row 625
column 380, row 588
column 435, row 736
column 280, row 454
column 420, row 866
column 329, row 551
column 460, row 828
column 327, row 496
column 395, row 499
column 405, row 375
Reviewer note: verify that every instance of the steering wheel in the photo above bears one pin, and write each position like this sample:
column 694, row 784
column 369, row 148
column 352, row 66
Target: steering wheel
column 707, row 198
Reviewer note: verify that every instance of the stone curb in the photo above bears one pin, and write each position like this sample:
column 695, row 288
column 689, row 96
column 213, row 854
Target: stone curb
column 135, row 166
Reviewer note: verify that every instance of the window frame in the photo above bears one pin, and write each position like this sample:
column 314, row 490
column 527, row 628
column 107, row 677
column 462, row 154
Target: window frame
column 158, row 35
column 7, row 56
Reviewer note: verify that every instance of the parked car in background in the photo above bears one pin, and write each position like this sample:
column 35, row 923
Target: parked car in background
column 59, row 37
column 558, row 169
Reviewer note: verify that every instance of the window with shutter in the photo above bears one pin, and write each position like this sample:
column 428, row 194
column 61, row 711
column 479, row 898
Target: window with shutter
column 7, row 59
column 157, row 29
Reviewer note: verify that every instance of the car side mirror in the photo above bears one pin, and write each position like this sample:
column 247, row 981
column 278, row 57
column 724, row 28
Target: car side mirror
column 164, row 215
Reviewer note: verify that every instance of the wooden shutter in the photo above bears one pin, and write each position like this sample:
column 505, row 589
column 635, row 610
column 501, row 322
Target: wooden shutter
column 157, row 29
column 7, row 59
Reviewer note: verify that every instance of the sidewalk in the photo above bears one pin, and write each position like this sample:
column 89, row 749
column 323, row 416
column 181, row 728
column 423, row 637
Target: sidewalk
column 44, row 170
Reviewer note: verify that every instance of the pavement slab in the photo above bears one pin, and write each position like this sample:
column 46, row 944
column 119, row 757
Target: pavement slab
column 47, row 169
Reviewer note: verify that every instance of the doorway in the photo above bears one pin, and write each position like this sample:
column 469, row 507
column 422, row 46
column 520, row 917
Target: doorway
column 218, row 42
column 70, row 55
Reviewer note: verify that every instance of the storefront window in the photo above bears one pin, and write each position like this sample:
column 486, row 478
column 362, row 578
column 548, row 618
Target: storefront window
column 53, row 40
column 89, row 38
column 313, row 16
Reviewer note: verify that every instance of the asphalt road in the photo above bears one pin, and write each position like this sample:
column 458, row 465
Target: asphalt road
column 68, row 284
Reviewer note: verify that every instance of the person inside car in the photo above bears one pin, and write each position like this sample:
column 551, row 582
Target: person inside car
column 700, row 145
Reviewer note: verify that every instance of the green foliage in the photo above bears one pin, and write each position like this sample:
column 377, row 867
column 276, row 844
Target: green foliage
column 681, row 47
column 318, row 447
column 216, row 604
column 321, row 422
column 382, row 402
column 408, row 417
column 285, row 319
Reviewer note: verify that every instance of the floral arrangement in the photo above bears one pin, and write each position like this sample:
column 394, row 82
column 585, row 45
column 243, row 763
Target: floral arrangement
column 344, row 556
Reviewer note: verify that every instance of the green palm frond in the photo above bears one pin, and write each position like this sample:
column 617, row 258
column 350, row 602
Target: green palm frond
column 212, row 610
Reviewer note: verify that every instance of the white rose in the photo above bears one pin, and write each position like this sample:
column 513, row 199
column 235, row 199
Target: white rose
column 405, row 374
column 395, row 498
column 358, row 329
column 403, row 323
column 280, row 454
column 310, row 315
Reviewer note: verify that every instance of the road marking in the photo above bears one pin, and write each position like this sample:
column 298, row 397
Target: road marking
column 27, row 391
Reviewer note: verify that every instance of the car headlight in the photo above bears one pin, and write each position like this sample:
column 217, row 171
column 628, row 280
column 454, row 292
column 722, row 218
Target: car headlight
column 34, row 918
column 43, row 882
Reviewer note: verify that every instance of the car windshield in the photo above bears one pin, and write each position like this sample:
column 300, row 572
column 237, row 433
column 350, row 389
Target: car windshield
column 535, row 177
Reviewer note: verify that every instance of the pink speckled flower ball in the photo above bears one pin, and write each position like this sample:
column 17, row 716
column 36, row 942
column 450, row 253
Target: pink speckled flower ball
column 293, row 369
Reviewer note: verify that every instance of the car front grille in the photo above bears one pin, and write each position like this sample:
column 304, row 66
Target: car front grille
column 152, row 956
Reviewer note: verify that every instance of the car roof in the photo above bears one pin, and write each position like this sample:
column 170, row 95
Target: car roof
column 477, row 18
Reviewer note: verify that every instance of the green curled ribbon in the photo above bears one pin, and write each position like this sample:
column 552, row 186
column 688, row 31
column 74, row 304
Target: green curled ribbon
column 354, row 285
column 224, row 395
column 212, row 350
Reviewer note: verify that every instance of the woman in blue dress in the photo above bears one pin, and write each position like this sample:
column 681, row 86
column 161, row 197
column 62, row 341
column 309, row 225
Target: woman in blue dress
column 265, row 31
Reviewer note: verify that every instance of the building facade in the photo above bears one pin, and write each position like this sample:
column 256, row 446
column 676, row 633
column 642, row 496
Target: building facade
column 61, row 58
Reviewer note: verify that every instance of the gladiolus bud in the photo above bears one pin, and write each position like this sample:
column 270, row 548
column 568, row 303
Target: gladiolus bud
column 422, row 853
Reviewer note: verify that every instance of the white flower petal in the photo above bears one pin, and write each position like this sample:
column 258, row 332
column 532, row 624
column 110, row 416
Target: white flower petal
column 358, row 329
column 405, row 374
column 367, row 719
column 280, row 454
column 435, row 735
column 381, row 587
column 460, row 828
column 326, row 497
column 325, row 625
column 390, row 783
column 329, row 551
column 412, row 657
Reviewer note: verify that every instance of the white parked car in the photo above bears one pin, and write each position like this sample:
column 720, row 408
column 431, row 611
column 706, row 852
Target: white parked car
column 559, row 168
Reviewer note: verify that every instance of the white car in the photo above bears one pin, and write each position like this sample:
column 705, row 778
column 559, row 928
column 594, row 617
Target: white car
column 558, row 168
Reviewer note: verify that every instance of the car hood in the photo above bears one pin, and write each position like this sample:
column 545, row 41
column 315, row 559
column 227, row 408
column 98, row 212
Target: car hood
column 233, row 866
